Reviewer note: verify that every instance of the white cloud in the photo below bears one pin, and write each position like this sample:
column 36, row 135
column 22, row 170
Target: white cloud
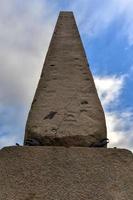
column 109, row 88
column 120, row 129
column 25, row 31
column 119, row 123
column 24, row 41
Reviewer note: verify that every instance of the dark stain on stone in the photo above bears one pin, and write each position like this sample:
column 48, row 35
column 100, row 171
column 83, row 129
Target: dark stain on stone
column 83, row 110
column 87, row 79
column 70, row 115
column 31, row 196
column 84, row 72
column 84, row 102
column 52, row 65
column 50, row 115
column 32, row 142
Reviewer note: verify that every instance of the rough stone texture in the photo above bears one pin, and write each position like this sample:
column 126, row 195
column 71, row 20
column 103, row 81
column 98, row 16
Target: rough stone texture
column 59, row 173
column 66, row 109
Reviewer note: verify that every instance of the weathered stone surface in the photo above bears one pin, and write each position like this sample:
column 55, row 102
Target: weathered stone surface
column 66, row 109
column 55, row 173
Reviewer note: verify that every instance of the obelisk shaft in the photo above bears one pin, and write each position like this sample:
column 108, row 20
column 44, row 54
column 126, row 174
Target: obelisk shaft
column 66, row 109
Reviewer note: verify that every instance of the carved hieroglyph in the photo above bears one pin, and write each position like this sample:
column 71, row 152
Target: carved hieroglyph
column 66, row 109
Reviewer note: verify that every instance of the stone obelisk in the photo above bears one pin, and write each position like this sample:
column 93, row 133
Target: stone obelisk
column 66, row 109
column 60, row 159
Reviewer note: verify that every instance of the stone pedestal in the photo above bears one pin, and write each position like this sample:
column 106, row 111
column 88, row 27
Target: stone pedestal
column 59, row 173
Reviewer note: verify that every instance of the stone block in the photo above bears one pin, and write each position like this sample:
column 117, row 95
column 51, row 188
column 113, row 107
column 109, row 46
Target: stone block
column 60, row 173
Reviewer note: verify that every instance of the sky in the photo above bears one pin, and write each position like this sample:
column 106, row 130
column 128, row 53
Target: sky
column 106, row 30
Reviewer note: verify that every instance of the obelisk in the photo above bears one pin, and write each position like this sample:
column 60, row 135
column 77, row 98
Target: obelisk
column 66, row 109
column 60, row 158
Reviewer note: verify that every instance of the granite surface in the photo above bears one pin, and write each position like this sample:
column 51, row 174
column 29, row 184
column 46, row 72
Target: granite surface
column 60, row 173
column 66, row 110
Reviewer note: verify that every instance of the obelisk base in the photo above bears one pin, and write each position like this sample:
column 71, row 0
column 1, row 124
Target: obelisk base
column 60, row 173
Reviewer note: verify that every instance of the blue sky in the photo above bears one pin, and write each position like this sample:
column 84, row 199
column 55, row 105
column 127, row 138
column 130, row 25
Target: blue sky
column 106, row 29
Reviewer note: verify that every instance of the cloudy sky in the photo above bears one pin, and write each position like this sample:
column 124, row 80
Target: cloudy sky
column 106, row 28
